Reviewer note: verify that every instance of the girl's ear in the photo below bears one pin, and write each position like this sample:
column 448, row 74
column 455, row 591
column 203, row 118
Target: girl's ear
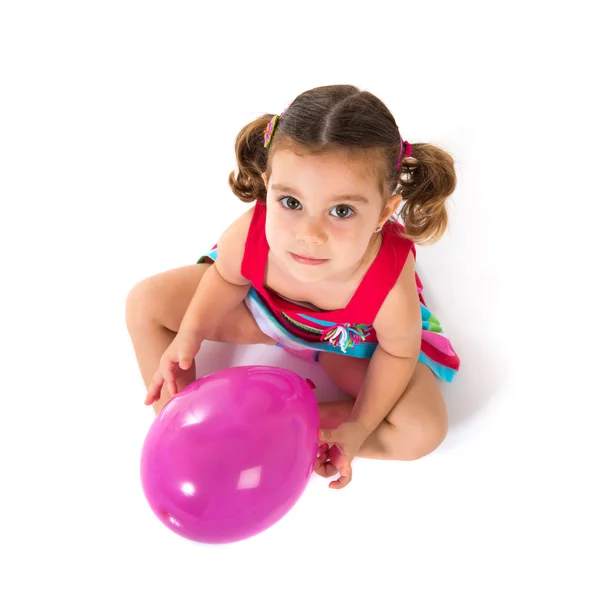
column 391, row 206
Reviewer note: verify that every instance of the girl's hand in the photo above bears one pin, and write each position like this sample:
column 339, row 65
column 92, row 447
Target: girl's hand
column 179, row 356
column 337, row 452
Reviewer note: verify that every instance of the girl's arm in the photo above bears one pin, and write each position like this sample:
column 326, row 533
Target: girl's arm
column 398, row 326
column 222, row 287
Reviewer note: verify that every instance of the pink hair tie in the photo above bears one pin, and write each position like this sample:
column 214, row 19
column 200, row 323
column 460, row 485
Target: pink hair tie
column 407, row 146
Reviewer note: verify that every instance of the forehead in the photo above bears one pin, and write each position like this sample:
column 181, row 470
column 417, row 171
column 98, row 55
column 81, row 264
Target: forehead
column 330, row 169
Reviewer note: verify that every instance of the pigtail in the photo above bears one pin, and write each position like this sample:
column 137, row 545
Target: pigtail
column 251, row 156
column 427, row 178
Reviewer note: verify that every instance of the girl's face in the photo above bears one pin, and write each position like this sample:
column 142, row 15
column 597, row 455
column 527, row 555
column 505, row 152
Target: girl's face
column 322, row 213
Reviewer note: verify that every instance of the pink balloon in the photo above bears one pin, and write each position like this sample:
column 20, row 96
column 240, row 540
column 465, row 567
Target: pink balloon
column 231, row 454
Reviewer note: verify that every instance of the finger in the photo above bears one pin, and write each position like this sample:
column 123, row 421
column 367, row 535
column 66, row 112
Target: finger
column 325, row 469
column 153, row 393
column 323, row 455
column 322, row 473
column 185, row 363
column 336, row 456
column 323, row 465
column 344, row 479
column 330, row 469
column 320, row 463
column 319, row 469
column 346, row 470
column 325, row 435
column 170, row 379
column 340, row 483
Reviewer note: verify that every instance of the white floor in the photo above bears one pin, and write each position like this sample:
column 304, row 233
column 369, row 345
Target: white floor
column 117, row 123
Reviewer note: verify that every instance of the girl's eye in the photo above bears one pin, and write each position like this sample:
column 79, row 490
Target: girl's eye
column 290, row 203
column 341, row 211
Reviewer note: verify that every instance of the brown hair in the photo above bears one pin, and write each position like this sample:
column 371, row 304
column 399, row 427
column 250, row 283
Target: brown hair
column 342, row 117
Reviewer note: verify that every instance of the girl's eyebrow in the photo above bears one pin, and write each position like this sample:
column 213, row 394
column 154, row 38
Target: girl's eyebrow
column 276, row 187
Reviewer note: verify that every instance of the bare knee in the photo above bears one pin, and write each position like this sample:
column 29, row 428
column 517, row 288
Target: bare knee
column 138, row 303
column 163, row 298
column 420, row 437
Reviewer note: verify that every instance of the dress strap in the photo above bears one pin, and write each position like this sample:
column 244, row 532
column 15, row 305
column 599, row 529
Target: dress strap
column 256, row 248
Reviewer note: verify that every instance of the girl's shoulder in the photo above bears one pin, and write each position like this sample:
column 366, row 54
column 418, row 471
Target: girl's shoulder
column 232, row 246
column 399, row 317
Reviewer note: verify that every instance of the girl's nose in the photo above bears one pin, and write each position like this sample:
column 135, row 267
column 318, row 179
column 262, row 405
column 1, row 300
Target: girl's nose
column 311, row 230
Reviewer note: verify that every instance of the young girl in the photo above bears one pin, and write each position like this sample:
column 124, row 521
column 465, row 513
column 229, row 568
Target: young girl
column 320, row 267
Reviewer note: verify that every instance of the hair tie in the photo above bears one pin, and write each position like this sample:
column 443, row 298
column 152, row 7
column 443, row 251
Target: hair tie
column 270, row 130
column 407, row 147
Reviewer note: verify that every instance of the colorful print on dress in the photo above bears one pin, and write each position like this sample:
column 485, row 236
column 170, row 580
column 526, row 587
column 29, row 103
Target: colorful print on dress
column 344, row 337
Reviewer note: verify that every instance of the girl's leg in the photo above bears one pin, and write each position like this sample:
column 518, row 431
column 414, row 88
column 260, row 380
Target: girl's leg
column 154, row 311
column 416, row 425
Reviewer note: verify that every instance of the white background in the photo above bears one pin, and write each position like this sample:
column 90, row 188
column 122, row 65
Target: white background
column 117, row 123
